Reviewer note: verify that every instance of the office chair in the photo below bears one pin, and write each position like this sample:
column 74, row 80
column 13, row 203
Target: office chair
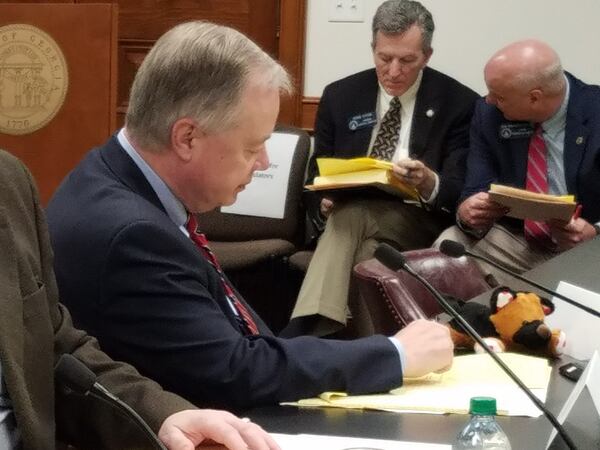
column 394, row 299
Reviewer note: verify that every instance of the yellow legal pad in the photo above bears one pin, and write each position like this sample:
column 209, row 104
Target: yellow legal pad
column 450, row 392
column 338, row 174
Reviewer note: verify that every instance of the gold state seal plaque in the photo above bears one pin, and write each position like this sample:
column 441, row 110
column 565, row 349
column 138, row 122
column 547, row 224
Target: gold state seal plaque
column 33, row 79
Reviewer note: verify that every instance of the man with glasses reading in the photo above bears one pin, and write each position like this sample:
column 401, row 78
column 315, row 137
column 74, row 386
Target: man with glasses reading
column 400, row 111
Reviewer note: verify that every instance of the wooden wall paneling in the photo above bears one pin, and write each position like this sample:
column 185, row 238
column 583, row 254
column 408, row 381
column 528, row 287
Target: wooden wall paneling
column 86, row 35
column 291, row 55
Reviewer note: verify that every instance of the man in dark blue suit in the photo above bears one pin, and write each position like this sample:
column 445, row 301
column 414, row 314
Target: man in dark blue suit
column 529, row 91
column 135, row 270
column 428, row 148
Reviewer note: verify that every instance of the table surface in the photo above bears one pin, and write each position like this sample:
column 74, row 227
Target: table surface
column 578, row 266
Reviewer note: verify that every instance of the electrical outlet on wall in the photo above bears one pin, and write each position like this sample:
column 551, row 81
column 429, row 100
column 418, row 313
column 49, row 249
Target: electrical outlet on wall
column 346, row 11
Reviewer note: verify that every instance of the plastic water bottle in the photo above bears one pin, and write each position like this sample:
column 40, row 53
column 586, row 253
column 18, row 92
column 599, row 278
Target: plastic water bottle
column 482, row 431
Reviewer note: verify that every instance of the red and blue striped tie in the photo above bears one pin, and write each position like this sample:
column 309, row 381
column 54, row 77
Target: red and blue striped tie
column 246, row 321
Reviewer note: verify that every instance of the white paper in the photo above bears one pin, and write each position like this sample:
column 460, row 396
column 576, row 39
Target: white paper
column 581, row 328
column 265, row 196
column 590, row 378
column 321, row 442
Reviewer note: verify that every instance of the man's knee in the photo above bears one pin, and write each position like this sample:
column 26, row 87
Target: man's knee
column 452, row 233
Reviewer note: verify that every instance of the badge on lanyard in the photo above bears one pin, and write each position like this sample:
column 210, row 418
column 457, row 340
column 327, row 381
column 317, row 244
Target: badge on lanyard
column 362, row 121
column 515, row 130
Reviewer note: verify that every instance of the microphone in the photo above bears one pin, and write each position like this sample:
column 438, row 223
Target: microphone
column 394, row 260
column 76, row 376
column 456, row 250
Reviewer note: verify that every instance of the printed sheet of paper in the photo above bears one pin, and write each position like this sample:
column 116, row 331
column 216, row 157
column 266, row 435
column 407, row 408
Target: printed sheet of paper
column 450, row 392
column 265, row 195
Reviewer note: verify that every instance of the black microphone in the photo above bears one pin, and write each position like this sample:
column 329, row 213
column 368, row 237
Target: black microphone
column 77, row 377
column 456, row 250
column 394, row 260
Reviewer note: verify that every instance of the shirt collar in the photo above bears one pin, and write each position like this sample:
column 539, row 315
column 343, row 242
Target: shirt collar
column 408, row 96
column 174, row 208
column 557, row 122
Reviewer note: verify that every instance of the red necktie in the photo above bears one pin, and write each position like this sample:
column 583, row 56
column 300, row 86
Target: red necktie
column 247, row 324
column 537, row 181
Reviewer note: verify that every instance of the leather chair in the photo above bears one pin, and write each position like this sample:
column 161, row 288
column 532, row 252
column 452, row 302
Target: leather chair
column 241, row 241
column 394, row 299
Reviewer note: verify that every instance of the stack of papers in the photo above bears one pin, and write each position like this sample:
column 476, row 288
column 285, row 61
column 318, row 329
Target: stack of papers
column 450, row 392
column 337, row 174
column 525, row 204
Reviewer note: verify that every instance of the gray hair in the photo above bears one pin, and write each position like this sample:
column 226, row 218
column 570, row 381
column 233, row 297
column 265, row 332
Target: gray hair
column 397, row 16
column 550, row 79
column 197, row 70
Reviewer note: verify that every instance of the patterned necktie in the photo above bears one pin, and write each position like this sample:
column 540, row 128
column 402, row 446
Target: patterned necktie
column 388, row 135
column 537, row 181
column 245, row 321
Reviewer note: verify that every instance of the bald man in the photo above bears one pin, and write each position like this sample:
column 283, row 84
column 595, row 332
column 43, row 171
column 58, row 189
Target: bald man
column 533, row 107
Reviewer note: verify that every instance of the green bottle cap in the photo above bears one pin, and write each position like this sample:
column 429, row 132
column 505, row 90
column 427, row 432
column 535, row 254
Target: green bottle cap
column 483, row 406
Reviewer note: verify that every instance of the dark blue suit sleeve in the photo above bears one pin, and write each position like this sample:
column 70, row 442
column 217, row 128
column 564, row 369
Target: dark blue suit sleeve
column 482, row 168
column 162, row 309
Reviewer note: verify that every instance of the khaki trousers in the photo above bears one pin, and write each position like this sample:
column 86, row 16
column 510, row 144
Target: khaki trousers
column 351, row 235
column 503, row 245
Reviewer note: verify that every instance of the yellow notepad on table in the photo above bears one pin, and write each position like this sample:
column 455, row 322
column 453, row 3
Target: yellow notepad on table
column 525, row 204
column 450, row 392
column 338, row 174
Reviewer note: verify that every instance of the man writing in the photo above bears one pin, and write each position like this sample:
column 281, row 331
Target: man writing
column 35, row 330
column 550, row 144
column 202, row 105
column 401, row 111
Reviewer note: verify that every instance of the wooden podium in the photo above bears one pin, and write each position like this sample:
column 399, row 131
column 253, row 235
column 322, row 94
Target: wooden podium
column 58, row 84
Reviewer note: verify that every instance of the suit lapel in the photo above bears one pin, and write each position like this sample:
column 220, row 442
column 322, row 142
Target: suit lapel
column 366, row 102
column 426, row 105
column 576, row 138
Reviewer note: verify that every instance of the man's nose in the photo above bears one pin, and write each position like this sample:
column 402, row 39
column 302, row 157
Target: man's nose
column 395, row 68
column 262, row 163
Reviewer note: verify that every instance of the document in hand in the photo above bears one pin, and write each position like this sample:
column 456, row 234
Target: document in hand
column 450, row 392
column 525, row 204
column 356, row 173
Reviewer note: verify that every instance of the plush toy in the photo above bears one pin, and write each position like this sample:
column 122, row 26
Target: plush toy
column 515, row 322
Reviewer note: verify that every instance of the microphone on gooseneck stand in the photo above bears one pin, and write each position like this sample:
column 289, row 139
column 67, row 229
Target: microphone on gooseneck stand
column 77, row 377
column 456, row 250
column 394, row 260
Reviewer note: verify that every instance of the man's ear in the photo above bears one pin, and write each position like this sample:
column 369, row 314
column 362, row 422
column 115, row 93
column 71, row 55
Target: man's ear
column 428, row 54
column 183, row 133
column 535, row 95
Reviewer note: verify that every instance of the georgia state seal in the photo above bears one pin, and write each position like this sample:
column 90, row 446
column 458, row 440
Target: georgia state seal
column 33, row 79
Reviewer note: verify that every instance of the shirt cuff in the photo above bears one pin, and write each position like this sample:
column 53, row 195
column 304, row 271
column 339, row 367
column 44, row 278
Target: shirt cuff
column 400, row 349
column 434, row 193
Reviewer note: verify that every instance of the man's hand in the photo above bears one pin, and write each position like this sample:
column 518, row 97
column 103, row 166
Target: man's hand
column 416, row 174
column 326, row 207
column 427, row 347
column 479, row 212
column 568, row 235
column 186, row 429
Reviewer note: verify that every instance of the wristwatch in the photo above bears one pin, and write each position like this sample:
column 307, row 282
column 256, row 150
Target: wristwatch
column 597, row 228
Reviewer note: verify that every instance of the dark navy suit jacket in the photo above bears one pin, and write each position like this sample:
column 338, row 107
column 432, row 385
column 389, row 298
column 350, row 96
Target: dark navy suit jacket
column 439, row 138
column 494, row 159
column 134, row 280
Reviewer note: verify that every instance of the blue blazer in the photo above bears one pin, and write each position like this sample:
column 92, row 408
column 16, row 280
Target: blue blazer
column 439, row 133
column 136, row 282
column 494, row 159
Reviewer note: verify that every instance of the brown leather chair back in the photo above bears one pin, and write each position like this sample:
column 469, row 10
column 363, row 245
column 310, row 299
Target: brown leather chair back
column 395, row 299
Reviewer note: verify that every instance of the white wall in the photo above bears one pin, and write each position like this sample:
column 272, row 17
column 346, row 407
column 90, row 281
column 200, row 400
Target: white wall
column 467, row 33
